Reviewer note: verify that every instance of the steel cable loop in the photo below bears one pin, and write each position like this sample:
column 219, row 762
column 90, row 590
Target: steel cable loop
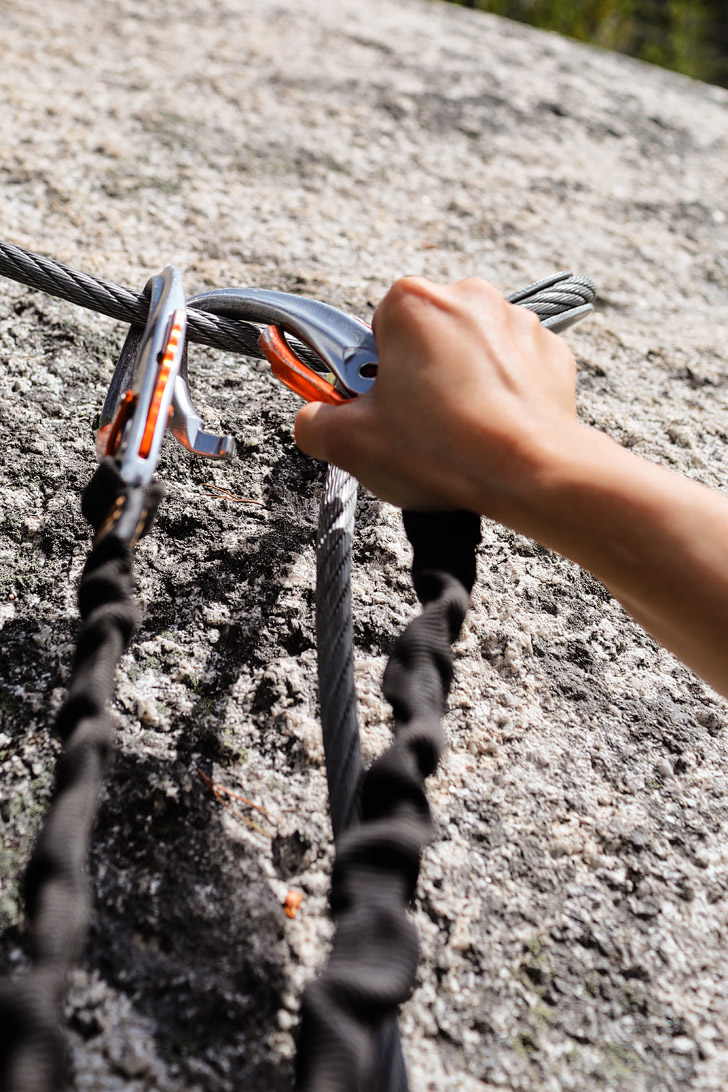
column 372, row 966
column 573, row 290
column 32, row 1053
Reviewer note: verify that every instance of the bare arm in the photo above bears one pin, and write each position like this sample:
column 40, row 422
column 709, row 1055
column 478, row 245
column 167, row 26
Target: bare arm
column 474, row 407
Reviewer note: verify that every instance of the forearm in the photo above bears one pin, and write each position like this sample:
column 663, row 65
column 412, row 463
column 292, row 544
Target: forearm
column 657, row 540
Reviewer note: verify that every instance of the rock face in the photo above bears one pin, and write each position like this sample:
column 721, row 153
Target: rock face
column 573, row 907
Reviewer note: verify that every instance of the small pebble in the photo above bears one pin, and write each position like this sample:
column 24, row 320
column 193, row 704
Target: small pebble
column 285, row 1019
column 682, row 1044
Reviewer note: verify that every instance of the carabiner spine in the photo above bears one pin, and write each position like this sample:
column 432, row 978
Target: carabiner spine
column 139, row 401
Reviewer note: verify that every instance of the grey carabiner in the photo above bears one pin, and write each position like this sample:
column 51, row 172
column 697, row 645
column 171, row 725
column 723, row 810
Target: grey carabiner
column 345, row 344
column 137, row 407
column 149, row 390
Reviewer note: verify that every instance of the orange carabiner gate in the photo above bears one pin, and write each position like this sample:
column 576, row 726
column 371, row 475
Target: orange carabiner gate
column 292, row 371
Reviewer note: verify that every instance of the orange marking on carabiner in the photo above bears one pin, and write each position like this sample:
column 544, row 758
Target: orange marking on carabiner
column 117, row 425
column 164, row 369
column 296, row 375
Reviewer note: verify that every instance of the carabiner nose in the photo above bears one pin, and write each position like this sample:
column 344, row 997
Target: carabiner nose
column 345, row 344
column 185, row 424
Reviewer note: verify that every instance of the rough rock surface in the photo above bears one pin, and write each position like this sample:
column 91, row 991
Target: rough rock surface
column 573, row 908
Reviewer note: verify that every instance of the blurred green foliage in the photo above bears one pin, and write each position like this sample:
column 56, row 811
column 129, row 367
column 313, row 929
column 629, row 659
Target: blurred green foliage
column 690, row 36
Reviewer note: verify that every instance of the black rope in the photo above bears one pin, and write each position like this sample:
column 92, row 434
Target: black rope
column 372, row 966
column 32, row 1054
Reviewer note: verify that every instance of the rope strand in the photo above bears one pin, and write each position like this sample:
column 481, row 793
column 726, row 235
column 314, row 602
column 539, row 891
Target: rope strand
column 373, row 961
column 32, row 1053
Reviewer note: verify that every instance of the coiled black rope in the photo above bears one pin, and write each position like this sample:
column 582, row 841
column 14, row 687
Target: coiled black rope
column 371, row 969
column 32, row 1055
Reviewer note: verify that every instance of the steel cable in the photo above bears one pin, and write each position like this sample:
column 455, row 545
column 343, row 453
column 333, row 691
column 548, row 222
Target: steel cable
column 545, row 299
column 111, row 299
column 337, row 690
column 560, row 294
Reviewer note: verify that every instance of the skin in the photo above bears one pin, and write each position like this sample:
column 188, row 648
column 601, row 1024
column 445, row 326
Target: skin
column 474, row 407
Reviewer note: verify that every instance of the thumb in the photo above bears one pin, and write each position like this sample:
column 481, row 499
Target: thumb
column 313, row 429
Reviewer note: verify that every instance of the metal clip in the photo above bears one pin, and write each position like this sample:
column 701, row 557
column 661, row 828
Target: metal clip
column 343, row 343
column 149, row 386
column 346, row 344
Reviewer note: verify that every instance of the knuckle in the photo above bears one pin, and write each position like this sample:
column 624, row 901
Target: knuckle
column 481, row 286
column 481, row 293
column 403, row 303
column 405, row 289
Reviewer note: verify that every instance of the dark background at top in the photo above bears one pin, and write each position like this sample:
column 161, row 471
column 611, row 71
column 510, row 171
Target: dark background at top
column 689, row 36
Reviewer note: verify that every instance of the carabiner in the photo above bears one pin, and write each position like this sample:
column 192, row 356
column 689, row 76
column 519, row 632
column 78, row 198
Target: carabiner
column 343, row 343
column 149, row 390
column 139, row 400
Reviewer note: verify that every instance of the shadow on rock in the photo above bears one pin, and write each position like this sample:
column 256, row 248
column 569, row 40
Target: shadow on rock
column 186, row 925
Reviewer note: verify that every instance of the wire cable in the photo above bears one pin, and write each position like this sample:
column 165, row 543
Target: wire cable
column 348, row 1039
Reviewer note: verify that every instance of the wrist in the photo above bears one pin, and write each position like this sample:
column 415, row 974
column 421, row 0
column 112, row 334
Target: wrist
column 601, row 505
column 540, row 481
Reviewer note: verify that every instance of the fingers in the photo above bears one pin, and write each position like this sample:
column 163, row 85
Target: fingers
column 409, row 296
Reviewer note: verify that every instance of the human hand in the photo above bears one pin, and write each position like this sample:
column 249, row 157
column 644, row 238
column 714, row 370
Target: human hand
column 472, row 397
column 473, row 408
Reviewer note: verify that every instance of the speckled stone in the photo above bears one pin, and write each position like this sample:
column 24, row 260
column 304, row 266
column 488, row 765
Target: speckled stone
column 572, row 907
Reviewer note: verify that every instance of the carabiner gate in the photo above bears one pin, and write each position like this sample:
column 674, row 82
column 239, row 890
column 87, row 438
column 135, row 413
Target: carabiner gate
column 149, row 390
column 344, row 344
